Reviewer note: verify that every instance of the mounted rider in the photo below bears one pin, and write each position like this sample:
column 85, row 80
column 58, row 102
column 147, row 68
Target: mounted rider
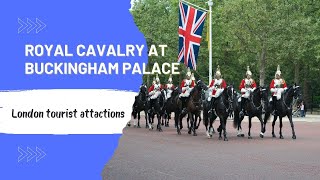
column 277, row 87
column 186, row 86
column 169, row 87
column 154, row 91
column 217, row 86
column 247, row 86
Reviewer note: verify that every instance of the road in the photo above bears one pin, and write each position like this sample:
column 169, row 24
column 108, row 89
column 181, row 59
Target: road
column 144, row 154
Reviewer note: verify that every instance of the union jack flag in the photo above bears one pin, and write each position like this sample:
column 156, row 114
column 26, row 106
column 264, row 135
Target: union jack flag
column 191, row 22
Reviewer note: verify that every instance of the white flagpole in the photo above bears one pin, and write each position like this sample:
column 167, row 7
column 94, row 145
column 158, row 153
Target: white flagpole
column 210, row 3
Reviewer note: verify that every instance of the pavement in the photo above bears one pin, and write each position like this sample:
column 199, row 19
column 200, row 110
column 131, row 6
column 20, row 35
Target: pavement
column 143, row 154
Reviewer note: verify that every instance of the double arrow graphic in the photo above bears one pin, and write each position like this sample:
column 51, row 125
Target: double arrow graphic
column 29, row 154
column 30, row 25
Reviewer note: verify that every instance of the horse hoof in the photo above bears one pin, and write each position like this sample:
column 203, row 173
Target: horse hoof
column 294, row 137
column 220, row 138
column 274, row 136
column 194, row 134
column 138, row 126
column 128, row 124
column 146, row 126
column 160, row 130
column 179, row 133
column 261, row 135
column 189, row 132
column 281, row 137
column 239, row 135
column 162, row 124
column 249, row 137
column 242, row 135
column 225, row 139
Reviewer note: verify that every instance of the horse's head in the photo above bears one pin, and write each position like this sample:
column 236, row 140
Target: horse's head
column 263, row 93
column 231, row 92
column 143, row 89
column 296, row 92
column 197, row 90
column 255, row 94
column 201, row 86
column 175, row 92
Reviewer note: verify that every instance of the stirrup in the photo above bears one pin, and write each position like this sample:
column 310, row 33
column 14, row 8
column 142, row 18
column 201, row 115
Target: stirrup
column 241, row 113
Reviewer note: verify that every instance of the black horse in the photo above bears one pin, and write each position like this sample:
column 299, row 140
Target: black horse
column 158, row 109
column 221, row 108
column 284, row 108
column 171, row 105
column 140, row 104
column 194, row 107
column 254, row 107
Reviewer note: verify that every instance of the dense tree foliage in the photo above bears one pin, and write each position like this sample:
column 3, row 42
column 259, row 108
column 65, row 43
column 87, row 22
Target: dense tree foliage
column 256, row 33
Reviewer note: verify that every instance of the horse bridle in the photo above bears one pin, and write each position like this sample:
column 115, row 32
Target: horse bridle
column 294, row 97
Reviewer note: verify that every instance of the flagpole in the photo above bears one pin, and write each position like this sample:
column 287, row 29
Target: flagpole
column 210, row 3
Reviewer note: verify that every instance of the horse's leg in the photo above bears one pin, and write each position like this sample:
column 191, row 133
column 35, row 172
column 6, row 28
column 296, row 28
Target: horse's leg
column 138, row 120
column 163, row 119
column 241, row 134
column 292, row 126
column 224, row 124
column 159, row 123
column 249, row 133
column 150, row 121
column 181, row 116
column 166, row 122
column 199, row 120
column 273, row 123
column 194, row 123
column 262, row 127
column 206, row 122
column 211, row 129
column 176, row 121
column 190, row 119
column 146, row 117
column 280, row 118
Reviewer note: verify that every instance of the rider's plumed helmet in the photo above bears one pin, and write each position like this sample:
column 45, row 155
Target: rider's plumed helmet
column 218, row 73
column 154, row 81
column 278, row 72
column 248, row 71
column 157, row 79
column 188, row 73
column 170, row 79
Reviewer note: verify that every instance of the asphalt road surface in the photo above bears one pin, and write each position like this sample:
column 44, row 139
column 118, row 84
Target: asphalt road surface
column 144, row 154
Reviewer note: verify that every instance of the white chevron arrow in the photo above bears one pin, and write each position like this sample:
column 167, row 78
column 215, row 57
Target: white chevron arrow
column 32, row 154
column 32, row 25
column 23, row 25
column 41, row 25
column 41, row 154
column 23, row 154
